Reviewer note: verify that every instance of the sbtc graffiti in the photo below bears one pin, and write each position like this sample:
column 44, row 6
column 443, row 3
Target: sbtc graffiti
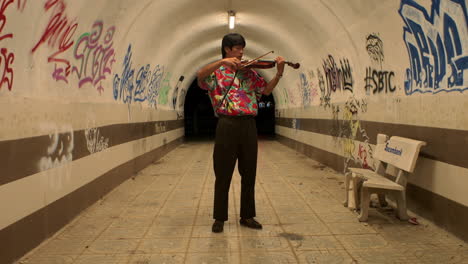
column 7, row 57
column 338, row 78
column 59, row 35
column 437, row 44
column 379, row 81
column 95, row 56
column 144, row 88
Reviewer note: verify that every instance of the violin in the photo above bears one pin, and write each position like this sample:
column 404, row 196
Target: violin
column 265, row 64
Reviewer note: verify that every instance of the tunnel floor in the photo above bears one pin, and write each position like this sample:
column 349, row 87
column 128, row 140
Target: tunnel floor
column 164, row 214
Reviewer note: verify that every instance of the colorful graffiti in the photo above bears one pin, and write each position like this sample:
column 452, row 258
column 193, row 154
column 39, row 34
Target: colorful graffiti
column 350, row 131
column 7, row 57
column 307, row 88
column 143, row 87
column 59, row 35
column 437, row 44
column 165, row 88
column 96, row 56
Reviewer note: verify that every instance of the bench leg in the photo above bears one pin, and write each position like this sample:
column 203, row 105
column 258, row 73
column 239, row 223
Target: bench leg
column 347, row 181
column 401, row 206
column 382, row 201
column 357, row 187
column 365, row 199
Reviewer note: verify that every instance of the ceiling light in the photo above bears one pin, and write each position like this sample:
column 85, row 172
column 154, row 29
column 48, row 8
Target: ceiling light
column 232, row 19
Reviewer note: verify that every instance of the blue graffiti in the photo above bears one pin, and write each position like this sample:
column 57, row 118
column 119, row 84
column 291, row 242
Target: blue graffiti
column 306, row 97
column 437, row 46
column 123, row 87
column 144, row 88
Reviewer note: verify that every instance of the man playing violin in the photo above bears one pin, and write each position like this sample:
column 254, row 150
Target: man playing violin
column 234, row 91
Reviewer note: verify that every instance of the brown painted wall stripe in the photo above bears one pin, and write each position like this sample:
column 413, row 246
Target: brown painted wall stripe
column 27, row 233
column 444, row 145
column 20, row 158
column 445, row 213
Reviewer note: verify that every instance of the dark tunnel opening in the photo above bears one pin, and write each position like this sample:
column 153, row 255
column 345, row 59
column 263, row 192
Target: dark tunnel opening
column 200, row 121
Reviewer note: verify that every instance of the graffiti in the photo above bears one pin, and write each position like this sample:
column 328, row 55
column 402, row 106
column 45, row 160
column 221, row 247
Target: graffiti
column 144, row 88
column 96, row 58
column 351, row 129
column 165, row 88
column 180, row 115
column 362, row 155
column 325, row 97
column 379, row 81
column 182, row 98
column 94, row 141
column 123, row 86
column 437, row 45
column 306, row 87
column 338, row 78
column 155, row 84
column 60, row 30
column 160, row 127
column 176, row 90
column 374, row 47
column 59, row 150
column 336, row 125
column 7, row 58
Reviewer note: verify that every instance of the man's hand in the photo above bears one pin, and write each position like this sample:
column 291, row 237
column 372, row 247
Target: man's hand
column 232, row 63
column 280, row 65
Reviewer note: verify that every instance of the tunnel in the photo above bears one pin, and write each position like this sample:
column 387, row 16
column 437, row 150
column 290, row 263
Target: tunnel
column 101, row 113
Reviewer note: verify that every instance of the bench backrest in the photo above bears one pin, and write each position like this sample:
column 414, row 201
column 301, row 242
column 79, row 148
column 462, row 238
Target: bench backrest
column 398, row 151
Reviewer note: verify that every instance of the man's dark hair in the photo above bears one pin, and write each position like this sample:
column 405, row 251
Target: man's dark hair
column 230, row 40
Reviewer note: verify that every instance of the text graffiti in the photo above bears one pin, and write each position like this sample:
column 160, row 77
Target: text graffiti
column 59, row 31
column 142, row 87
column 7, row 58
column 95, row 58
column 437, row 45
column 94, row 141
column 379, row 81
column 338, row 78
column 309, row 92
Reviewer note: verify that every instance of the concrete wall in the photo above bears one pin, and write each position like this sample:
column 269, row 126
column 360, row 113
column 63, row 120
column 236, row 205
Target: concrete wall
column 91, row 91
column 399, row 68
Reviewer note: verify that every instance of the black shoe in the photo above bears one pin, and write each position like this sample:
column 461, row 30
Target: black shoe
column 250, row 223
column 218, row 226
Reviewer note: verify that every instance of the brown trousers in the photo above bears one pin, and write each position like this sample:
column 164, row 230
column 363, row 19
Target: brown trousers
column 236, row 139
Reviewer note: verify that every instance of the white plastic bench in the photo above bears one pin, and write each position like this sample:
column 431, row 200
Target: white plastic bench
column 399, row 152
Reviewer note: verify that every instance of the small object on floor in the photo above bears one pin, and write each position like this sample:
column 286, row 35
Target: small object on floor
column 250, row 223
column 218, row 226
column 413, row 221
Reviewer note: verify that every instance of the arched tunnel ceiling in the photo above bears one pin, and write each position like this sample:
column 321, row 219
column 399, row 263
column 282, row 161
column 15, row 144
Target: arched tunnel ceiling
column 186, row 34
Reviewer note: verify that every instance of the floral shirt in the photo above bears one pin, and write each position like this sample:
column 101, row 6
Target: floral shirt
column 242, row 99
